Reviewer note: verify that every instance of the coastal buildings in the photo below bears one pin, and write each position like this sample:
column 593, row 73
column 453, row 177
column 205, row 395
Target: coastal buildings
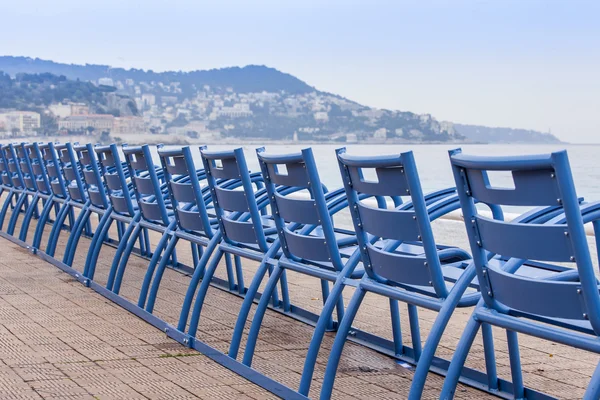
column 100, row 122
column 20, row 122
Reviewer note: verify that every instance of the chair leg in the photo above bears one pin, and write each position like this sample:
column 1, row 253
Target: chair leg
column 396, row 327
column 56, row 228
column 28, row 216
column 263, row 303
column 41, row 224
column 96, row 245
column 120, row 230
column 229, row 269
column 7, row 203
column 593, row 389
column 158, row 277
column 490, row 356
column 459, row 358
column 239, row 274
column 240, row 323
column 437, row 330
column 75, row 235
column 285, row 294
column 325, row 294
column 116, row 287
column 163, row 244
column 199, row 272
column 76, row 229
column 415, row 331
column 71, row 218
column 145, row 246
column 195, row 255
column 201, row 296
column 339, row 341
column 317, row 338
column 16, row 212
column 133, row 229
column 515, row 364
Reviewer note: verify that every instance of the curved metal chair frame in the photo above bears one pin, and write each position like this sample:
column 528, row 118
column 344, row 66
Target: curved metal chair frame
column 18, row 197
column 158, row 214
column 53, row 167
column 310, row 243
column 6, row 185
column 40, row 180
column 563, row 306
column 392, row 253
column 74, row 174
column 245, row 231
column 123, row 210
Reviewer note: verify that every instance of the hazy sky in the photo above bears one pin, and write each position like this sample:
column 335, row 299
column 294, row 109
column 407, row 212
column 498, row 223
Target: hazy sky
column 523, row 63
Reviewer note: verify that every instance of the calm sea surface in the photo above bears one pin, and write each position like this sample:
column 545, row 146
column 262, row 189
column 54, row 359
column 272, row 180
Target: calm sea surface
column 433, row 164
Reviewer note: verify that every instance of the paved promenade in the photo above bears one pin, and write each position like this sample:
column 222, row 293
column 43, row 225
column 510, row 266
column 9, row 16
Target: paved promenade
column 59, row 339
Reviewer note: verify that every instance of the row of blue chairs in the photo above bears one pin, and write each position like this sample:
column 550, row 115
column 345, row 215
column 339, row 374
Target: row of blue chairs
column 283, row 219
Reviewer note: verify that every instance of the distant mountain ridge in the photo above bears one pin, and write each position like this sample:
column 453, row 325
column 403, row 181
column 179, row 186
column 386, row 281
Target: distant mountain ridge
column 251, row 78
column 486, row 134
column 279, row 117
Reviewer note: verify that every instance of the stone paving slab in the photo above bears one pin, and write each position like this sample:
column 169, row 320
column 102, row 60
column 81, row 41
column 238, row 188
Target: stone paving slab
column 56, row 342
column 363, row 373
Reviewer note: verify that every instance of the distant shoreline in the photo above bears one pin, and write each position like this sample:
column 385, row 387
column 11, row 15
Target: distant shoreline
column 175, row 140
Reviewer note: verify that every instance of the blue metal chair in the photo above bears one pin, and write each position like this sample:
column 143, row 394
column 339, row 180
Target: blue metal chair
column 123, row 209
column 22, row 186
column 97, row 194
column 401, row 258
column 60, row 197
column 157, row 214
column 562, row 306
column 245, row 230
column 79, row 196
column 7, row 184
column 41, row 182
column 310, row 243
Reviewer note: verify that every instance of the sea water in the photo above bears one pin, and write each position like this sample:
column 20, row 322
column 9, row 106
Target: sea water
column 433, row 163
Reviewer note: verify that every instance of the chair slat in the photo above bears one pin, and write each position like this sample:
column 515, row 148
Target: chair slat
column 232, row 200
column 531, row 188
column 296, row 175
column 297, row 210
column 183, row 192
column 391, row 181
column 551, row 299
column 239, row 231
column 150, row 211
column 307, row 247
column 113, row 181
column 515, row 240
column 399, row 268
column 389, row 224
column 190, row 220
column 144, row 185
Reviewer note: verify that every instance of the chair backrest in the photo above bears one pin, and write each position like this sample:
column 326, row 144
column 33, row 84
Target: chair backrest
column 14, row 167
column 38, row 167
column 26, row 168
column 90, row 174
column 71, row 172
column 4, row 172
column 53, row 169
column 234, row 197
column 396, row 177
column 146, row 183
column 540, row 180
column 185, row 191
column 115, row 179
column 304, row 225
